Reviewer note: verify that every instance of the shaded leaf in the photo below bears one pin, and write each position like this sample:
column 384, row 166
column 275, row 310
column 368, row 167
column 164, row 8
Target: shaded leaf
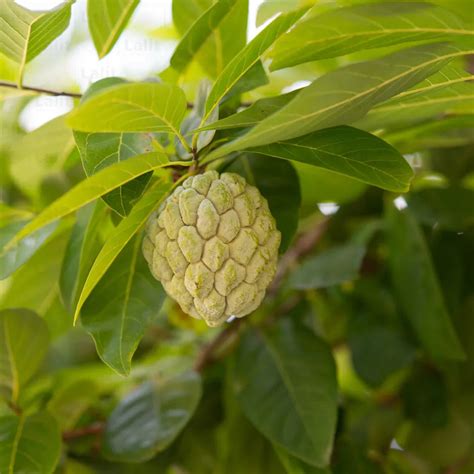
column 296, row 466
column 24, row 341
column 81, row 250
column 347, row 151
column 417, row 286
column 346, row 95
column 362, row 27
column 286, row 384
column 29, row 444
column 139, row 107
column 150, row 418
column 32, row 31
column 17, row 255
column 107, row 19
column 94, row 187
column 121, row 236
column 118, row 323
column 278, row 182
column 331, row 267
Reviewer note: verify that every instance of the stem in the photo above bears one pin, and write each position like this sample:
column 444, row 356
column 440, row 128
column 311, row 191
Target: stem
column 40, row 90
column 94, row 429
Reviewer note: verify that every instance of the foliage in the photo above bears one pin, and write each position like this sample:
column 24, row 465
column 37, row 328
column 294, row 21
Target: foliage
column 354, row 120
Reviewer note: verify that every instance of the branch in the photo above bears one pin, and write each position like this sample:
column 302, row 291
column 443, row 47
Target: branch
column 94, row 429
column 40, row 90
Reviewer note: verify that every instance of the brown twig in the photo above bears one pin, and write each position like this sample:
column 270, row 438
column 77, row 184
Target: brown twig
column 40, row 90
column 303, row 245
column 207, row 354
column 94, row 429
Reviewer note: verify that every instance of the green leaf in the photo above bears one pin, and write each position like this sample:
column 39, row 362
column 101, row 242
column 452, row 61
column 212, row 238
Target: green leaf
column 139, row 107
column 346, row 95
column 81, row 250
column 24, row 341
column 122, row 235
column 224, row 40
column 107, row 19
column 417, row 286
column 423, row 106
column 198, row 33
column 99, row 150
column 347, row 151
column 30, row 32
column 247, row 58
column 149, row 419
column 17, row 255
column 252, row 115
column 296, row 466
column 94, row 187
column 29, row 444
column 278, row 182
column 40, row 153
column 286, row 384
column 362, row 27
column 121, row 306
column 331, row 267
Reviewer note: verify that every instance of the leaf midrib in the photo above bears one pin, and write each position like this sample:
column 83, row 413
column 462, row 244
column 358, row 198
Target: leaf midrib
column 16, row 442
column 13, row 367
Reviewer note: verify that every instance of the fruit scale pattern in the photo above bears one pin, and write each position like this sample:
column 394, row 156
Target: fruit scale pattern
column 213, row 244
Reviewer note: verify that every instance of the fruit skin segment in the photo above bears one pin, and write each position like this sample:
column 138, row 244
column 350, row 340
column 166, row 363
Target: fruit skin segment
column 213, row 244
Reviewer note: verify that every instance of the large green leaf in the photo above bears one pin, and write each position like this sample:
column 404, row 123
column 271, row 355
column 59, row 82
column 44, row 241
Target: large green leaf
column 122, row 235
column 94, row 187
column 11, row 259
column 40, row 153
column 24, row 341
column 296, row 466
column 286, row 384
column 107, row 19
column 150, row 418
column 25, row 33
column 346, row 95
column 223, row 41
column 139, row 107
column 334, row 266
column 121, row 306
column 247, row 58
column 81, row 250
column 363, row 27
column 29, row 444
column 347, row 151
column 278, row 181
column 198, row 33
column 417, row 286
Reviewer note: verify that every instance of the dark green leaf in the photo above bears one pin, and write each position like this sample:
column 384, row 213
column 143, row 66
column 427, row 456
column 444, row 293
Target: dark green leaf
column 121, row 306
column 361, row 27
column 24, row 341
column 286, row 384
column 107, row 19
column 346, row 95
column 278, row 182
column 149, row 419
column 417, row 286
column 347, row 151
column 296, row 466
column 29, row 444
column 331, row 267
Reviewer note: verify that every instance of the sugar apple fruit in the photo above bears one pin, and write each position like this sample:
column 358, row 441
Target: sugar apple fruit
column 213, row 244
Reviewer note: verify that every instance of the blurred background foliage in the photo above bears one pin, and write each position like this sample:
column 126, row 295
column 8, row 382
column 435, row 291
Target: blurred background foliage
column 387, row 281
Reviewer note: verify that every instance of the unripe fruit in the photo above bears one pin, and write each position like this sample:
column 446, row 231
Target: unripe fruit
column 213, row 245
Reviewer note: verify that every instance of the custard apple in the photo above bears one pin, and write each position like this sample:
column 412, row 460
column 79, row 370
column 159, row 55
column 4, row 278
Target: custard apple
column 213, row 245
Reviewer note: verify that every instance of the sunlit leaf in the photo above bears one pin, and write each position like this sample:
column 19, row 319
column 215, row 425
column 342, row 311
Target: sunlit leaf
column 286, row 384
column 24, row 341
column 346, row 95
column 107, row 19
column 151, row 417
column 29, row 444
column 122, row 235
column 361, row 27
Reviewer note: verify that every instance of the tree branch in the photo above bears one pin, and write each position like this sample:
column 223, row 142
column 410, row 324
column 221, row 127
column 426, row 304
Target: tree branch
column 40, row 90
column 94, row 429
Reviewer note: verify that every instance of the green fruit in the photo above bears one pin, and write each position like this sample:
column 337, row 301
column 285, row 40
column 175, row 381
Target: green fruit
column 213, row 244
